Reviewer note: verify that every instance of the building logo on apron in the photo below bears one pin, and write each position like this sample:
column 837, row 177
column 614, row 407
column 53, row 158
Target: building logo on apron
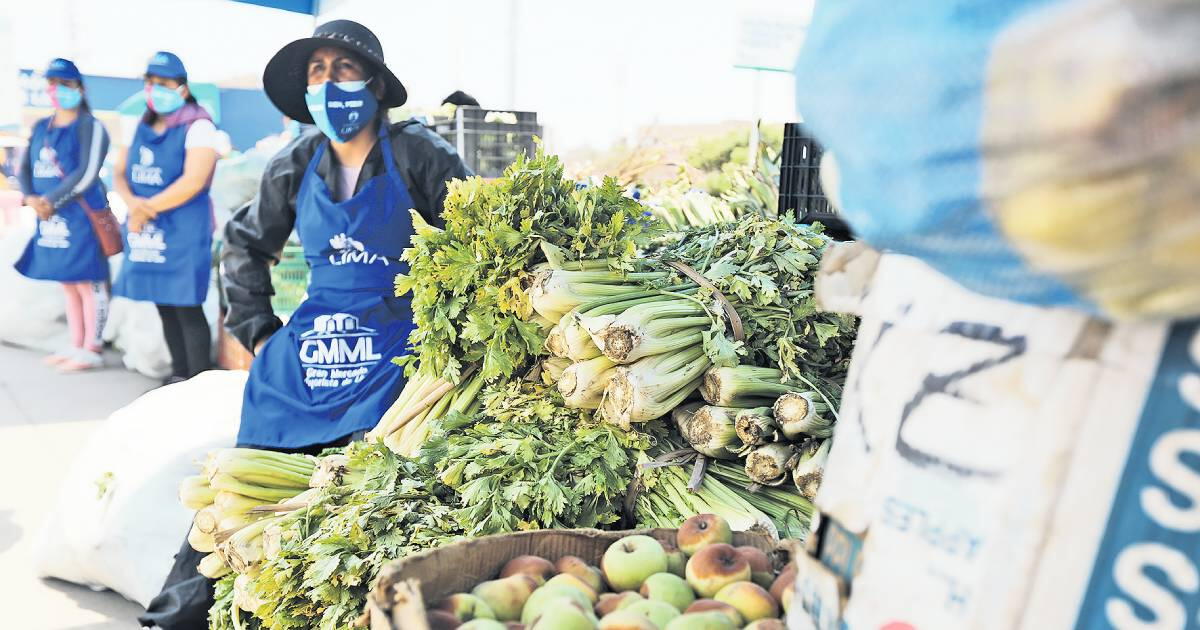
column 53, row 233
column 337, row 351
column 346, row 250
column 46, row 164
column 148, row 245
column 145, row 172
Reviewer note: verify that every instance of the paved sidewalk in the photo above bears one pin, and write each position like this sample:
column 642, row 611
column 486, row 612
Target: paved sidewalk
column 45, row 418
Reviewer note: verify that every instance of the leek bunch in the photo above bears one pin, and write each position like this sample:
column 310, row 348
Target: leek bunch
column 406, row 425
column 238, row 490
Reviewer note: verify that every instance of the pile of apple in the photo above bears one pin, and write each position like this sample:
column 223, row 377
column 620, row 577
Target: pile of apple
column 704, row 584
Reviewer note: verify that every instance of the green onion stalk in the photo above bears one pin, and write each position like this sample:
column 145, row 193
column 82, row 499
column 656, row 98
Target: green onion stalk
column 573, row 340
column 195, row 493
column 808, row 472
column 463, row 399
column 266, row 494
column 259, row 468
column 682, row 415
column 201, row 541
column 666, row 501
column 744, row 386
column 419, row 393
column 756, row 427
column 243, row 550
column 653, row 386
column 582, row 384
column 710, row 431
column 800, row 414
column 213, row 567
column 334, row 470
column 555, row 293
column 791, row 512
column 770, row 465
column 664, row 325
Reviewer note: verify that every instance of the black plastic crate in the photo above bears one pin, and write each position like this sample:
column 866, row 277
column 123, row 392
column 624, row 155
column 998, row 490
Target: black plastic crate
column 800, row 182
column 489, row 140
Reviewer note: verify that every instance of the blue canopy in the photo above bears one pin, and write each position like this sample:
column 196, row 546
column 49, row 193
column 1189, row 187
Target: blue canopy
column 307, row 7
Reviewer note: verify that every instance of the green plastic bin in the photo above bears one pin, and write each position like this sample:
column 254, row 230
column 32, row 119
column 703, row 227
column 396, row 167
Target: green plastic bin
column 290, row 280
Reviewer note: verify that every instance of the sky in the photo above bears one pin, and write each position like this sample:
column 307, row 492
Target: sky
column 596, row 72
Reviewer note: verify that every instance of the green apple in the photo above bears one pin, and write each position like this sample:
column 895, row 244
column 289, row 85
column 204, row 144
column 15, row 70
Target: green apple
column 702, row 530
column 712, row 605
column 701, row 621
column 658, row 612
column 750, row 599
column 767, row 624
column 466, row 607
column 571, row 581
column 676, row 562
column 626, row 620
column 714, row 567
column 564, row 613
column 542, row 597
column 482, row 624
column 506, row 596
column 669, row 588
column 629, row 561
column 612, row 602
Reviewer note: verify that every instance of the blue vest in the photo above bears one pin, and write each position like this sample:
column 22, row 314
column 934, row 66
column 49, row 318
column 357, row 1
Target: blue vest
column 327, row 373
column 170, row 260
column 65, row 247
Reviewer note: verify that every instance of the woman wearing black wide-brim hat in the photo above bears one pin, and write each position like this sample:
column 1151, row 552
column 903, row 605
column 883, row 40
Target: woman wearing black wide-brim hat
column 347, row 191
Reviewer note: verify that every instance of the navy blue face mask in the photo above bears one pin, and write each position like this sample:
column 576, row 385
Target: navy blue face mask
column 340, row 110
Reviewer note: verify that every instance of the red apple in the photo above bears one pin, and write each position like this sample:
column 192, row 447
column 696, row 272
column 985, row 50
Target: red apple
column 576, row 566
column 767, row 624
column 750, row 599
column 612, row 602
column 786, row 578
column 714, row 567
column 760, row 565
column 536, row 567
column 442, row 620
column 701, row 530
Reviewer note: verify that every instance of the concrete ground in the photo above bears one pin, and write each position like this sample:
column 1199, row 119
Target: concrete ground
column 45, row 418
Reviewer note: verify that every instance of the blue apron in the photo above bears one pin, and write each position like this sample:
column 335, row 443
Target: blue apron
column 65, row 247
column 328, row 373
column 170, row 260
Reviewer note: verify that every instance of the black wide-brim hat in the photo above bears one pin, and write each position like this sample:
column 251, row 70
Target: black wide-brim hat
column 285, row 78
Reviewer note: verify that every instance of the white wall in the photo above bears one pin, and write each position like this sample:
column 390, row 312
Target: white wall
column 595, row 71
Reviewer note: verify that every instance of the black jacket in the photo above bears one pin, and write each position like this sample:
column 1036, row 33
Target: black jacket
column 256, row 234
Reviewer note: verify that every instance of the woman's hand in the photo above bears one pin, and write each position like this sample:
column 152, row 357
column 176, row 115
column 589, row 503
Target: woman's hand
column 39, row 204
column 140, row 213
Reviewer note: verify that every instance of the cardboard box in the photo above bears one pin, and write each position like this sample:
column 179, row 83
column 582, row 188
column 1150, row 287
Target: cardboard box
column 397, row 602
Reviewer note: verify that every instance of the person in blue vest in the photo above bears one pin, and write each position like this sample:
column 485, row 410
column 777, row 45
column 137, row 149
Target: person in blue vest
column 346, row 190
column 162, row 172
column 60, row 180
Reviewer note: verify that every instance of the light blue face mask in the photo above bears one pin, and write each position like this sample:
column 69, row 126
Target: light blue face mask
column 341, row 110
column 162, row 99
column 66, row 97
